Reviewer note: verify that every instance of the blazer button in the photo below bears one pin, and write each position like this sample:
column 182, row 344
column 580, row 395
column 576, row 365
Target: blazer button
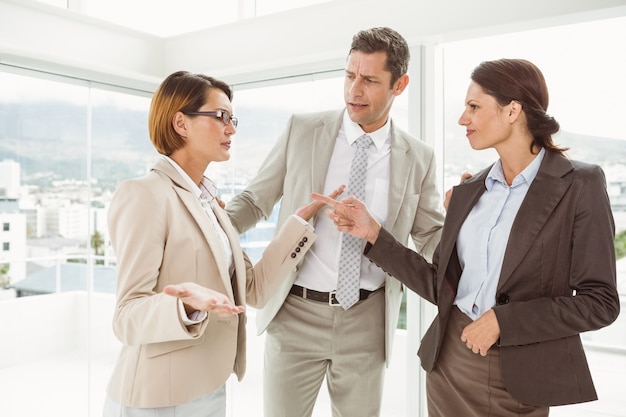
column 304, row 239
column 301, row 244
column 293, row 254
column 503, row 299
column 297, row 250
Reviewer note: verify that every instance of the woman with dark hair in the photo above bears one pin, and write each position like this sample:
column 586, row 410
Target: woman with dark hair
column 182, row 278
column 525, row 264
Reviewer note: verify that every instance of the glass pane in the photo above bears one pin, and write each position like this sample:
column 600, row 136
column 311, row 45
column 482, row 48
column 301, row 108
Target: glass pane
column 43, row 147
column 63, row 149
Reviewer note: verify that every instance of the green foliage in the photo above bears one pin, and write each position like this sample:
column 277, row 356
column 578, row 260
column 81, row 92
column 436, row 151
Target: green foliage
column 97, row 243
column 620, row 244
column 5, row 279
column 402, row 318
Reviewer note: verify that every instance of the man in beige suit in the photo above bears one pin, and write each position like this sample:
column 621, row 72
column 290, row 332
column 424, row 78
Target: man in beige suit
column 182, row 278
column 309, row 335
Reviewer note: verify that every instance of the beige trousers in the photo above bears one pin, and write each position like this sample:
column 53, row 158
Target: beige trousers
column 310, row 340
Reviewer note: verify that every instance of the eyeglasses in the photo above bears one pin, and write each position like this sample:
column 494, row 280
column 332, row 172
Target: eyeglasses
column 222, row 115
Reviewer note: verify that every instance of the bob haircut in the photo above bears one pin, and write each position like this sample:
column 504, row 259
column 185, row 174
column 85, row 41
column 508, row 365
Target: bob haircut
column 184, row 92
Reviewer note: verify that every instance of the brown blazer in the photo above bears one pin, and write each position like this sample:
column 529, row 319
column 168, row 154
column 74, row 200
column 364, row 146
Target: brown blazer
column 162, row 236
column 558, row 279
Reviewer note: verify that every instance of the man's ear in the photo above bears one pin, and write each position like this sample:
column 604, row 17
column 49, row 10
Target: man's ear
column 401, row 84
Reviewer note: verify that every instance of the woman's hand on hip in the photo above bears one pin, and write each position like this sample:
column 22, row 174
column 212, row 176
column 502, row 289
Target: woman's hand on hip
column 481, row 334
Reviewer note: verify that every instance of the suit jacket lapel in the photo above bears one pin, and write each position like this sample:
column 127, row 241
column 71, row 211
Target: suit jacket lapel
column 191, row 203
column 233, row 238
column 400, row 166
column 324, row 137
column 464, row 198
column 544, row 194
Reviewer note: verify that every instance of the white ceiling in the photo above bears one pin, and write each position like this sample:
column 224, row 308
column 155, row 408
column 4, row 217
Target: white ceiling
column 166, row 18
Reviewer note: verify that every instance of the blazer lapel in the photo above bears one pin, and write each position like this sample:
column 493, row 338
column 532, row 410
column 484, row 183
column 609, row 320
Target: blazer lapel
column 324, row 137
column 233, row 238
column 400, row 166
column 464, row 198
column 544, row 194
column 193, row 206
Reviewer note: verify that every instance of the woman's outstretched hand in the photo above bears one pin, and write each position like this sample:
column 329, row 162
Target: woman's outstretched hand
column 351, row 215
column 200, row 298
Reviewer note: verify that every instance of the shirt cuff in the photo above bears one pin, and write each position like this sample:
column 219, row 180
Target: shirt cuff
column 304, row 222
column 195, row 317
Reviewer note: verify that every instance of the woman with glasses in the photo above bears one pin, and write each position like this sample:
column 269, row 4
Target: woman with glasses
column 182, row 278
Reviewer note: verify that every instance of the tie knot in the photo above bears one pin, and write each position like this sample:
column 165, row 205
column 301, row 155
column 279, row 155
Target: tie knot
column 364, row 142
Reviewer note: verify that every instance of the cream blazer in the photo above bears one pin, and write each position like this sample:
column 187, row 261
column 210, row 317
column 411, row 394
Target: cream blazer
column 161, row 235
column 297, row 166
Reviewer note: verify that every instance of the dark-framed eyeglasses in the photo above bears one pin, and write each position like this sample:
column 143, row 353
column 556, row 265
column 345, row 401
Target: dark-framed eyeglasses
column 222, row 115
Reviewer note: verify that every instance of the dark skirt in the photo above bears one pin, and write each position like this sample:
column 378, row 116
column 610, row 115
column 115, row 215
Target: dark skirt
column 470, row 385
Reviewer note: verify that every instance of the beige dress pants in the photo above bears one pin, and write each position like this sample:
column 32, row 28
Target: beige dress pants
column 310, row 340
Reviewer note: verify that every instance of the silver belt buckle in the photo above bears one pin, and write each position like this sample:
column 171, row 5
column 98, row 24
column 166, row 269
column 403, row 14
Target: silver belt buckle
column 332, row 299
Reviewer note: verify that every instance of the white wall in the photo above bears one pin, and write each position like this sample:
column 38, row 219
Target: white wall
column 43, row 37
column 318, row 37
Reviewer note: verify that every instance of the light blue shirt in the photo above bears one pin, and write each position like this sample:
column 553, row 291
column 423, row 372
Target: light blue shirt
column 483, row 238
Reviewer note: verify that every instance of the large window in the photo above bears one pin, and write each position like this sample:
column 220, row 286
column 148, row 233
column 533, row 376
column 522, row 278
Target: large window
column 64, row 146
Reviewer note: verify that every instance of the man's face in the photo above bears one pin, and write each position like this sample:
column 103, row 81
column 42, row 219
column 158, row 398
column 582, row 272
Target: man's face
column 368, row 92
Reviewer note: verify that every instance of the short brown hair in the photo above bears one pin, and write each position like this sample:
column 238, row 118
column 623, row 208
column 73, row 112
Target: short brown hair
column 181, row 91
column 387, row 40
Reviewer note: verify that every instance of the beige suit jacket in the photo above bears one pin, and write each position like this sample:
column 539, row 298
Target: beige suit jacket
column 558, row 279
column 161, row 236
column 297, row 166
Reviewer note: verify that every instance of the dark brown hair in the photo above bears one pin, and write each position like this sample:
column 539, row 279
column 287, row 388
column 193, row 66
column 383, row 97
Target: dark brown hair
column 181, row 91
column 384, row 39
column 520, row 80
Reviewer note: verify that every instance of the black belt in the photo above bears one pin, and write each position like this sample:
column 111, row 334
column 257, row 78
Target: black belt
column 325, row 297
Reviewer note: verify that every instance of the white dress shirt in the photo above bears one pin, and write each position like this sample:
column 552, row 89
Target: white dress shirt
column 320, row 265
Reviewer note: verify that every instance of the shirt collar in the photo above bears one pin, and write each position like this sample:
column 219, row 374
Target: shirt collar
column 527, row 175
column 353, row 131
